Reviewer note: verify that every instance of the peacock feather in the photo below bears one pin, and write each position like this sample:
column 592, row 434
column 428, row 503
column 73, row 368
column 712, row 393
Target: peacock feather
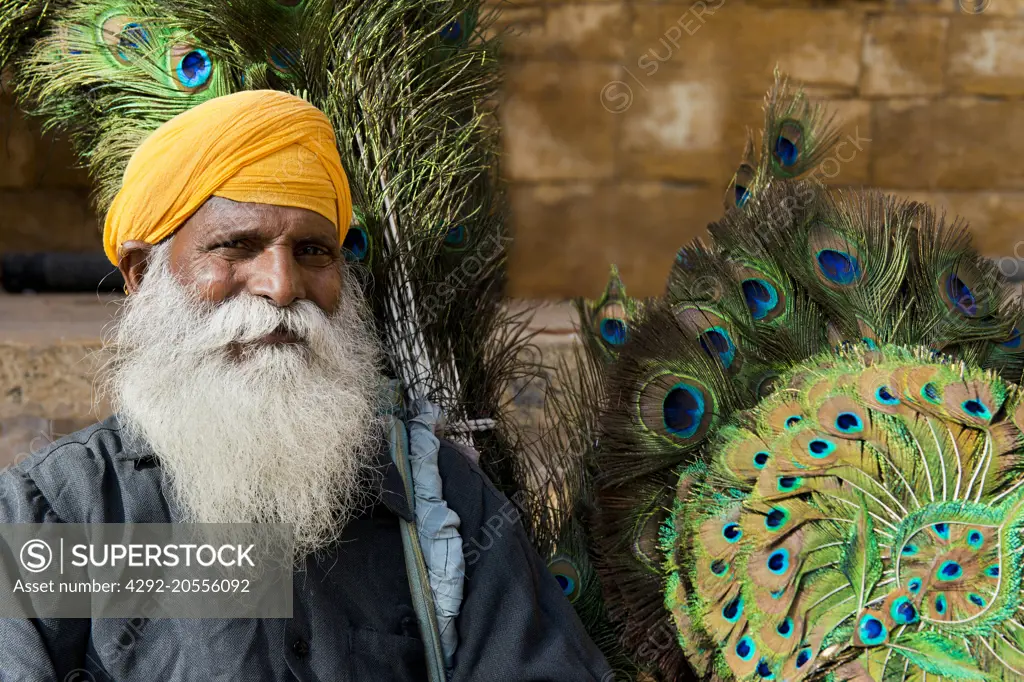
column 805, row 460
column 409, row 86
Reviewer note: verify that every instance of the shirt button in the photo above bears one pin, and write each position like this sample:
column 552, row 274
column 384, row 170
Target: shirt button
column 300, row 647
column 410, row 628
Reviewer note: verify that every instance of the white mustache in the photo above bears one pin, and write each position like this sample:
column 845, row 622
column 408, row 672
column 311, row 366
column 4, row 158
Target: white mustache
column 247, row 318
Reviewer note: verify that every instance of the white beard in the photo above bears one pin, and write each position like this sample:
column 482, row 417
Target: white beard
column 281, row 434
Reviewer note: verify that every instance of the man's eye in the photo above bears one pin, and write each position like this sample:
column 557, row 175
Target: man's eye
column 314, row 251
column 230, row 244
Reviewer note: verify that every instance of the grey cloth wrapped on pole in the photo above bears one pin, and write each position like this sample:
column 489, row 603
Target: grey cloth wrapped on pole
column 437, row 525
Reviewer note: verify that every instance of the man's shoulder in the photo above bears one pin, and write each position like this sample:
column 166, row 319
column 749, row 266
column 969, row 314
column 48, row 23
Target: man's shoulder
column 67, row 479
column 72, row 452
column 467, row 489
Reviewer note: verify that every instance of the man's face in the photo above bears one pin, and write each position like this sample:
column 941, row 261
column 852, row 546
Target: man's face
column 279, row 253
column 250, row 366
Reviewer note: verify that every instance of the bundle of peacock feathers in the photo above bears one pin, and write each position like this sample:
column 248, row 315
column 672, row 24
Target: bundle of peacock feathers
column 806, row 460
column 409, row 85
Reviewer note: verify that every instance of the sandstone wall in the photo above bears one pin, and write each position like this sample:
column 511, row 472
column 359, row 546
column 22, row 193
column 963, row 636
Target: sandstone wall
column 623, row 121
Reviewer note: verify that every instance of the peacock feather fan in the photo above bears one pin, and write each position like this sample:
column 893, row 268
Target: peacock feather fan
column 410, row 87
column 806, row 460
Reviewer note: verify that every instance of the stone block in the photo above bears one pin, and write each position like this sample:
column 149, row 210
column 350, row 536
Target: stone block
column 30, row 159
column 516, row 25
column 675, row 128
column 989, row 8
column 555, row 124
column 740, row 45
column 568, row 235
column 47, row 219
column 594, row 31
column 904, row 54
column 960, row 143
column 17, row 148
column 986, row 55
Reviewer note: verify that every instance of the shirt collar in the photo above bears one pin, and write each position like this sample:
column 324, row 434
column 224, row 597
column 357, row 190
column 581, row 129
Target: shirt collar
column 140, row 452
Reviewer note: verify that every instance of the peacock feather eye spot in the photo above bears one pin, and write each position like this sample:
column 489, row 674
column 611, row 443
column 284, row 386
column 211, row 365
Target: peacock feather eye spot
column 914, row 585
column 776, row 518
column 975, row 539
column 838, row 267
column 803, row 656
column 717, row 343
column 903, row 611
column 870, row 343
column 761, row 459
column 942, row 530
column 910, row 549
column 940, row 604
column 452, row 31
column 767, row 385
column 847, row 422
column 194, row 69
column 976, row 599
column 872, row 631
column 745, row 648
column 777, row 594
column 762, row 298
column 719, row 567
column 283, row 59
column 930, row 392
column 613, row 331
column 732, row 532
column 976, row 408
column 742, row 195
column 788, row 483
column 961, row 296
column 786, row 151
column 1014, row 341
column 778, row 561
column 683, row 410
column 992, row 571
column 765, row 670
column 785, row 628
column 567, row 577
column 884, row 396
column 356, row 245
column 456, row 236
column 793, row 421
column 566, row 583
column 132, row 37
column 820, row 448
column 950, row 570
column 733, row 610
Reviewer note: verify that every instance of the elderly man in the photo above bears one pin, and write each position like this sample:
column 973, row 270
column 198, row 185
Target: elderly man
column 244, row 378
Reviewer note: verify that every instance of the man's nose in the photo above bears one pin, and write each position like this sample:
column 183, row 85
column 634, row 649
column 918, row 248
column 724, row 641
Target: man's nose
column 276, row 275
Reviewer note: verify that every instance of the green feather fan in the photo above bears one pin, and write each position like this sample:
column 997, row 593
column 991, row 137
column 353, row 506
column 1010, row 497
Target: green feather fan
column 806, row 460
column 410, row 87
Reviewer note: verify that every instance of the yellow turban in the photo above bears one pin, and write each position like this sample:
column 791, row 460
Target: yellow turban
column 260, row 146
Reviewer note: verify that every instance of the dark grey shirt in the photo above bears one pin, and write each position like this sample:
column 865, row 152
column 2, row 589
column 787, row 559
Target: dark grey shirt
column 353, row 617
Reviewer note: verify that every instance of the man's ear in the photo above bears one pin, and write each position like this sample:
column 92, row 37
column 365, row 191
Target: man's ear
column 133, row 263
